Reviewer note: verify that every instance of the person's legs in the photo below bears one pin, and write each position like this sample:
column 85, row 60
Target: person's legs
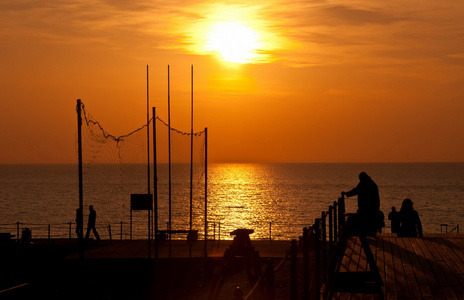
column 96, row 233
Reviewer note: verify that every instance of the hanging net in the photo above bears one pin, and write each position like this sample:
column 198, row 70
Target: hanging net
column 114, row 167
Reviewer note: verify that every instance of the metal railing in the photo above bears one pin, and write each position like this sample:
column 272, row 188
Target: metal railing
column 456, row 228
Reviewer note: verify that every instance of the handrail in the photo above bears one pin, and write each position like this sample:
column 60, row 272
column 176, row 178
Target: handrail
column 446, row 228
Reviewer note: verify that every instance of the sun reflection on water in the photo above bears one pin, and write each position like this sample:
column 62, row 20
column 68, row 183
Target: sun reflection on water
column 240, row 200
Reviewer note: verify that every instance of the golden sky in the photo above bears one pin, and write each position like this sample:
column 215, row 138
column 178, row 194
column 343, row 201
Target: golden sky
column 275, row 81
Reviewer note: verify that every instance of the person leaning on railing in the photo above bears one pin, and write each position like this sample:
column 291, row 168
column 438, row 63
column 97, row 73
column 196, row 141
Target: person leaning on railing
column 368, row 204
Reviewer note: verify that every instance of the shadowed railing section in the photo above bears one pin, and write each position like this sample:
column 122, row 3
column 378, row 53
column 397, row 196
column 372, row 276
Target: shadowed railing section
column 310, row 255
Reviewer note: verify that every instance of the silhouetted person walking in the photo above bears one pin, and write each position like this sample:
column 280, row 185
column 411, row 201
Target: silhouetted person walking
column 410, row 223
column 368, row 203
column 91, row 223
column 79, row 223
column 394, row 217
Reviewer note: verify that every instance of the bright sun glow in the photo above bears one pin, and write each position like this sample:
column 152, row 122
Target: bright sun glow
column 234, row 42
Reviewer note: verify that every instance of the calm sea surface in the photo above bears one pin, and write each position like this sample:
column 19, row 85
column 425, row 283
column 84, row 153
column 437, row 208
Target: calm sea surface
column 276, row 199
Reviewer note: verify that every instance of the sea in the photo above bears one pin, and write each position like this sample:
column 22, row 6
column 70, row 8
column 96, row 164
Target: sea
column 276, row 200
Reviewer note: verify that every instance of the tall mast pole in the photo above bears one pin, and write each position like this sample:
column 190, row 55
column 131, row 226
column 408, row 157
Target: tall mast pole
column 81, row 194
column 148, row 164
column 155, row 183
column 169, row 155
column 191, row 154
column 148, row 134
column 206, row 190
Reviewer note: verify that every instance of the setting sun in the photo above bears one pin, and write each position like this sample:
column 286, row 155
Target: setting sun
column 233, row 41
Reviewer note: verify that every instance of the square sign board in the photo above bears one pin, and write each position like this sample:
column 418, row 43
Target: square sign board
column 141, row 201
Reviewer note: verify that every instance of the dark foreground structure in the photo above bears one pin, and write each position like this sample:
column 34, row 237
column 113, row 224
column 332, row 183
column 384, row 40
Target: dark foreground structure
column 410, row 268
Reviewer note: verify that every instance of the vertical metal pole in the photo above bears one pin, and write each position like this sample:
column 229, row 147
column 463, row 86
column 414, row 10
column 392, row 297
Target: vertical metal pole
column 206, row 190
column 155, row 183
column 81, row 195
column 191, row 164
column 270, row 231
column 148, row 164
column 169, row 154
column 148, row 136
column 191, row 153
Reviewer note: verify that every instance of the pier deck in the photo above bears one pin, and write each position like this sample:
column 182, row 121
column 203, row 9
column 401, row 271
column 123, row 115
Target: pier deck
column 431, row 267
column 411, row 268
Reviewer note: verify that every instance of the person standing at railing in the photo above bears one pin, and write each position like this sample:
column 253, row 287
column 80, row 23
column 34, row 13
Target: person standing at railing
column 79, row 223
column 368, row 203
column 91, row 223
column 410, row 223
column 394, row 217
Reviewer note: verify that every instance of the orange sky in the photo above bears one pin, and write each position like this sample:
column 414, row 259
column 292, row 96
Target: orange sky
column 330, row 81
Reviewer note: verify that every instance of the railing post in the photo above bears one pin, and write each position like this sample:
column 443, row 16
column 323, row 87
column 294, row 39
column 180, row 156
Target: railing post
column 330, row 228
column 293, row 271
column 317, row 258
column 219, row 230
column 17, row 232
column 341, row 213
column 214, row 231
column 121, row 232
column 269, row 280
column 335, row 220
column 70, row 229
column 49, row 233
column 324, row 240
column 305, row 263
column 109, row 232
column 270, row 231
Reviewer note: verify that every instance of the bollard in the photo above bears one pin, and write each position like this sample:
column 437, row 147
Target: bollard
column 238, row 294
column 293, row 271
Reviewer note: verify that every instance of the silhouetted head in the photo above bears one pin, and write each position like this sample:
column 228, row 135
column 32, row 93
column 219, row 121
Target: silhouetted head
column 407, row 204
column 363, row 176
column 90, row 207
column 393, row 208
